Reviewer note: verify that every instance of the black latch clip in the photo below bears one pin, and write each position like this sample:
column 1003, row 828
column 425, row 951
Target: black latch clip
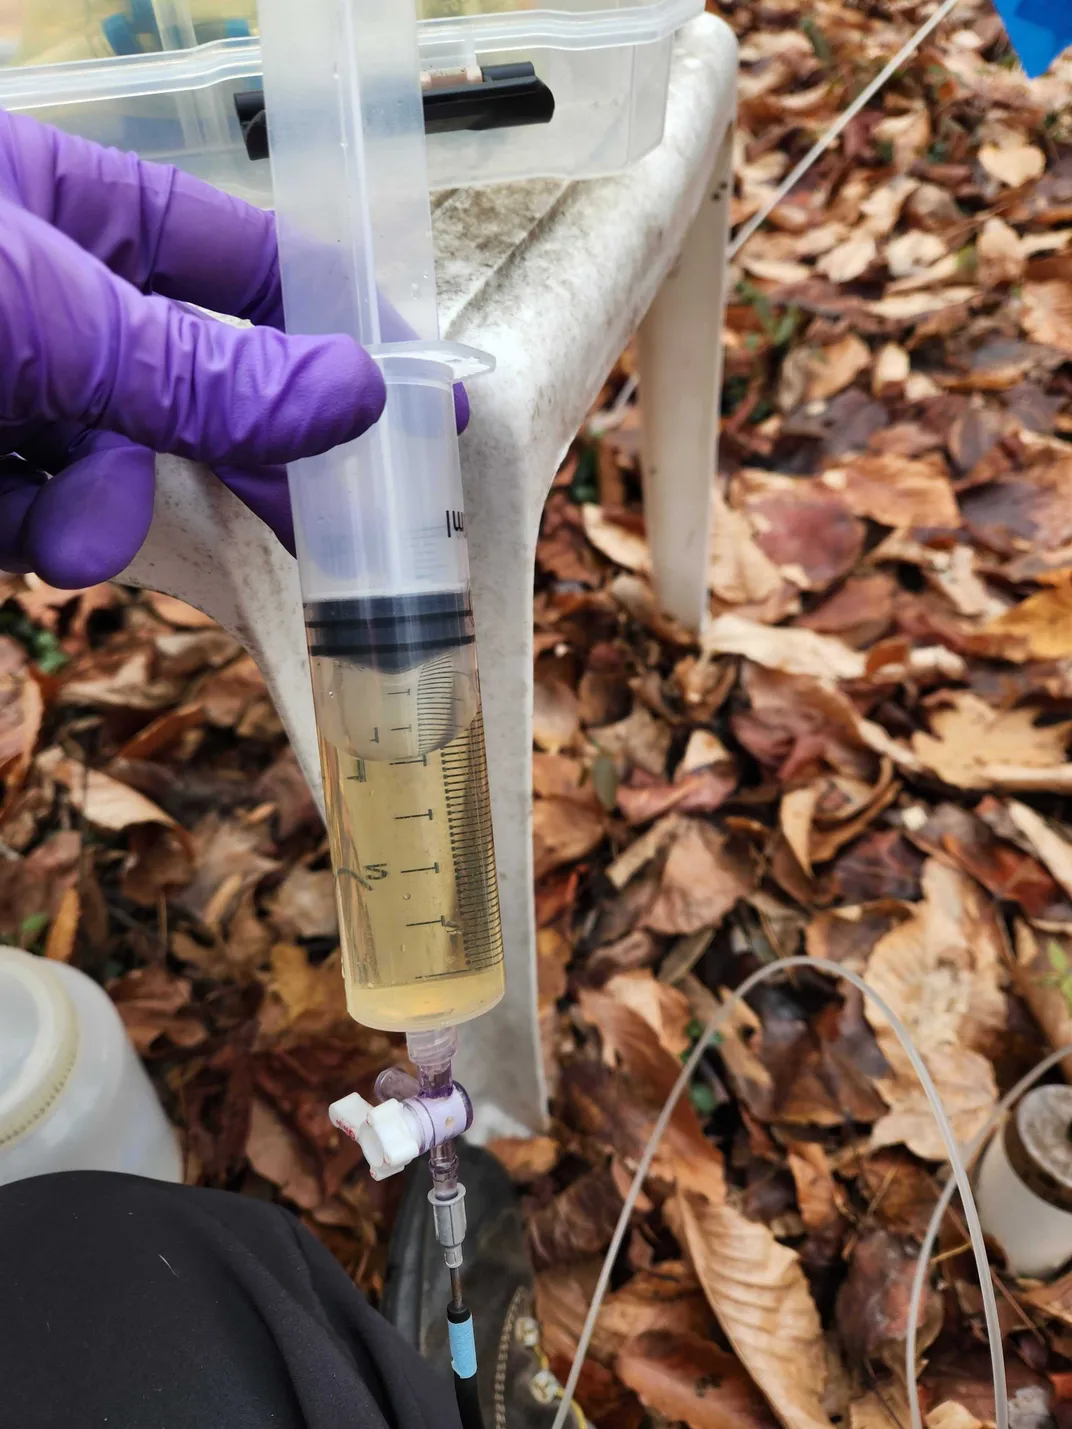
column 506, row 97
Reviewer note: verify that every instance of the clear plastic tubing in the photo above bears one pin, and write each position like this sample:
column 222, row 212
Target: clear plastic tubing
column 380, row 523
column 960, row 1178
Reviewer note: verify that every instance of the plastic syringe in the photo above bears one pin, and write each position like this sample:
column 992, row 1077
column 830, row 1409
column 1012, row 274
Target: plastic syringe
column 380, row 523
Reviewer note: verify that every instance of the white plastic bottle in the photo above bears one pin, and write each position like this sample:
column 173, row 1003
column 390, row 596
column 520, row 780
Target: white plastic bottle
column 73, row 1094
column 1024, row 1184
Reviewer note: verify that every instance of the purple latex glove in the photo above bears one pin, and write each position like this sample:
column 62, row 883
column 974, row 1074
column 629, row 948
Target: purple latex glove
column 100, row 368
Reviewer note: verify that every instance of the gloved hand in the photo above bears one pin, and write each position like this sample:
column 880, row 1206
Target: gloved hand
column 100, row 369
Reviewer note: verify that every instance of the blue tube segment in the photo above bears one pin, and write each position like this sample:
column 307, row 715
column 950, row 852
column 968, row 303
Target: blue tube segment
column 462, row 1348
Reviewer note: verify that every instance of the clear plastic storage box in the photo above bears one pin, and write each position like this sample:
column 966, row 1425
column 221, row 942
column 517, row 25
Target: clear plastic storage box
column 514, row 90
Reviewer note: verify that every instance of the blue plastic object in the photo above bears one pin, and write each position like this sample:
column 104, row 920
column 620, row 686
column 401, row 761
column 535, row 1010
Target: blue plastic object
column 462, row 1347
column 210, row 30
column 1038, row 30
column 143, row 17
column 120, row 34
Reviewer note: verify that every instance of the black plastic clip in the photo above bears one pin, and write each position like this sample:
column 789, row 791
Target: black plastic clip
column 507, row 97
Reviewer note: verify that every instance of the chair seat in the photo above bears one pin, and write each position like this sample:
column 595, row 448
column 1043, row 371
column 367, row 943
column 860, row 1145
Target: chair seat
column 552, row 279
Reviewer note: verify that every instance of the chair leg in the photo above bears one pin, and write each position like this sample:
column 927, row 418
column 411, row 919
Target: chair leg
column 500, row 1061
column 206, row 548
column 680, row 361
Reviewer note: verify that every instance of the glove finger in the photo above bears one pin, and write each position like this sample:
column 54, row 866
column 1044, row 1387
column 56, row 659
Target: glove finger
column 18, row 490
column 85, row 346
column 266, row 494
column 461, row 407
column 146, row 222
column 88, row 523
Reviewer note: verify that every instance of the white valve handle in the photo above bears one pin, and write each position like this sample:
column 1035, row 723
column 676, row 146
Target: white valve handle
column 385, row 1133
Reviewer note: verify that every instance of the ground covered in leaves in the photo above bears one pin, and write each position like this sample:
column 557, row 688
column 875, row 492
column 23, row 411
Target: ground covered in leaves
column 865, row 756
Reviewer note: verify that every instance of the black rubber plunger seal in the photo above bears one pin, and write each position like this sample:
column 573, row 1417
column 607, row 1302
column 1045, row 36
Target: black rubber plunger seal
column 389, row 632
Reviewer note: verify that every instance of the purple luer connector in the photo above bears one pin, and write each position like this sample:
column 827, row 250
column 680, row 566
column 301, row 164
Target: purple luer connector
column 441, row 1118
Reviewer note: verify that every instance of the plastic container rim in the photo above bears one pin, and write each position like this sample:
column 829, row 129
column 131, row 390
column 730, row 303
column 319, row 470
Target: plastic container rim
column 178, row 71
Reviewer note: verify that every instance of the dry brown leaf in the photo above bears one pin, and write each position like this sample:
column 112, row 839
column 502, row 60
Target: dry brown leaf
column 908, row 135
column 759, row 1294
column 274, row 1154
column 639, row 740
column 665, row 1297
column 21, row 711
column 1046, row 313
column 63, row 930
column 618, row 542
column 887, row 1409
column 33, row 886
column 643, row 850
column 805, row 529
column 556, row 717
column 1033, row 977
column 564, row 831
column 1050, row 847
column 304, row 904
column 1013, row 164
column 177, row 612
column 227, row 855
column 738, row 570
column 792, row 651
column 701, row 881
column 1000, row 253
column 896, row 491
column 123, row 682
column 940, row 972
column 891, row 369
column 235, row 697
column 527, row 1158
column 901, row 1193
column 830, row 369
column 1042, row 623
column 303, row 997
column 849, row 260
column 907, row 307
column 663, row 1008
column 873, row 1302
column 818, row 1195
column 912, row 252
column 578, row 1222
column 684, row 1378
column 795, row 818
column 151, row 1001
column 951, row 1415
column 1054, row 1300
column 103, row 800
column 973, row 746
column 643, row 1076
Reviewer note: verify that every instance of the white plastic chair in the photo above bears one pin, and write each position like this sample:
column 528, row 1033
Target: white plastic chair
column 553, row 279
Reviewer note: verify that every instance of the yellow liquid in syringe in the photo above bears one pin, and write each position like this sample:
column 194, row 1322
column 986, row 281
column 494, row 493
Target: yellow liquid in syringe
column 414, row 862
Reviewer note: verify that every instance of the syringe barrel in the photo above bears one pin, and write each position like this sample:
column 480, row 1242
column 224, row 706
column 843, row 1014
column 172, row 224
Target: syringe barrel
column 379, row 523
column 384, row 515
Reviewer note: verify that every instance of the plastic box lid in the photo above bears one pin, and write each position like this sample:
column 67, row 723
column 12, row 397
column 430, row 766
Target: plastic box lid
column 163, row 77
column 55, row 32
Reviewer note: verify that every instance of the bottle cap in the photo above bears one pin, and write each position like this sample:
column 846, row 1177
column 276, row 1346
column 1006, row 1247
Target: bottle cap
column 38, row 1042
column 1038, row 1143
